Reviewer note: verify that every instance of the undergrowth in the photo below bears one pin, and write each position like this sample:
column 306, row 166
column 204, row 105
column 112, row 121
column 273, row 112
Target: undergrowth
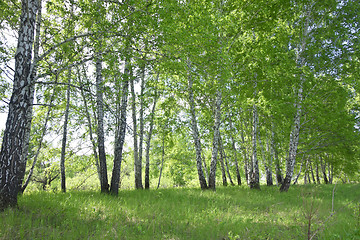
column 185, row 213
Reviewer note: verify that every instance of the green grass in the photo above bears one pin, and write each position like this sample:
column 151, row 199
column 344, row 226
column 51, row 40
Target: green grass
column 183, row 213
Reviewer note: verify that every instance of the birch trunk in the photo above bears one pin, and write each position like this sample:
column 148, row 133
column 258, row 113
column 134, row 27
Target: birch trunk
column 295, row 132
column 294, row 141
column 29, row 114
column 63, row 145
column 238, row 177
column 100, row 127
column 195, row 133
column 162, row 160
column 148, row 141
column 141, row 132
column 92, row 140
column 13, row 145
column 227, row 168
column 44, row 129
column 254, row 167
column 312, row 171
column 216, row 138
column 137, row 163
column 267, row 163
column 323, row 169
column 120, row 132
column 246, row 159
column 223, row 173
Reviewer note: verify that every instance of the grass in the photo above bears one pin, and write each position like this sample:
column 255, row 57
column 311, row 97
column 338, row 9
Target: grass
column 185, row 213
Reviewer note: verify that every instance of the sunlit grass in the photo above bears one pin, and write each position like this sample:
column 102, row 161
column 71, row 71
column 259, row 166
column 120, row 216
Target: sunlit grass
column 185, row 213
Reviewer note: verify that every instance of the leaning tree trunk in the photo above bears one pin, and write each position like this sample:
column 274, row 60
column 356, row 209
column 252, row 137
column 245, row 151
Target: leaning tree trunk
column 120, row 132
column 147, row 150
column 20, row 104
column 100, row 127
column 216, row 138
column 63, row 145
column 195, row 133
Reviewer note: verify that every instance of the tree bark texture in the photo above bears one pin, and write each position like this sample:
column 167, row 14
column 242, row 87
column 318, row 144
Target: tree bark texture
column 162, row 161
column 63, row 144
column 238, row 177
column 120, row 131
column 100, row 127
column 141, row 127
column 44, row 129
column 216, row 139
column 295, row 132
column 137, row 162
column 254, row 167
column 12, row 148
column 29, row 116
column 92, row 140
column 223, row 173
column 148, row 141
column 195, row 134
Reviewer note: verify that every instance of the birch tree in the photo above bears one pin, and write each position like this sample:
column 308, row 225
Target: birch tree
column 12, row 148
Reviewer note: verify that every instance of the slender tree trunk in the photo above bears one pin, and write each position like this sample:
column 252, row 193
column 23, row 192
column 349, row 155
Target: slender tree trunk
column 254, row 167
column 205, row 168
column 317, row 173
column 92, row 140
column 162, row 160
column 44, row 129
column 141, row 137
column 223, row 173
column 100, row 128
column 267, row 164
column 13, row 145
column 306, row 179
column 216, row 138
column 295, row 132
column 227, row 168
column 120, row 131
column 246, row 159
column 147, row 151
column 137, row 163
column 195, row 132
column 331, row 173
column 238, row 177
column 323, row 169
column 274, row 151
column 298, row 175
column 312, row 171
column 63, row 147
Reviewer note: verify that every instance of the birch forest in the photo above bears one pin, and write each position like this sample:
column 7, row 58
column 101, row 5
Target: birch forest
column 146, row 94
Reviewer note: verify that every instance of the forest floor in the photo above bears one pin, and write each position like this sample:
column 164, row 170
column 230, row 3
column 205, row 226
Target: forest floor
column 188, row 213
